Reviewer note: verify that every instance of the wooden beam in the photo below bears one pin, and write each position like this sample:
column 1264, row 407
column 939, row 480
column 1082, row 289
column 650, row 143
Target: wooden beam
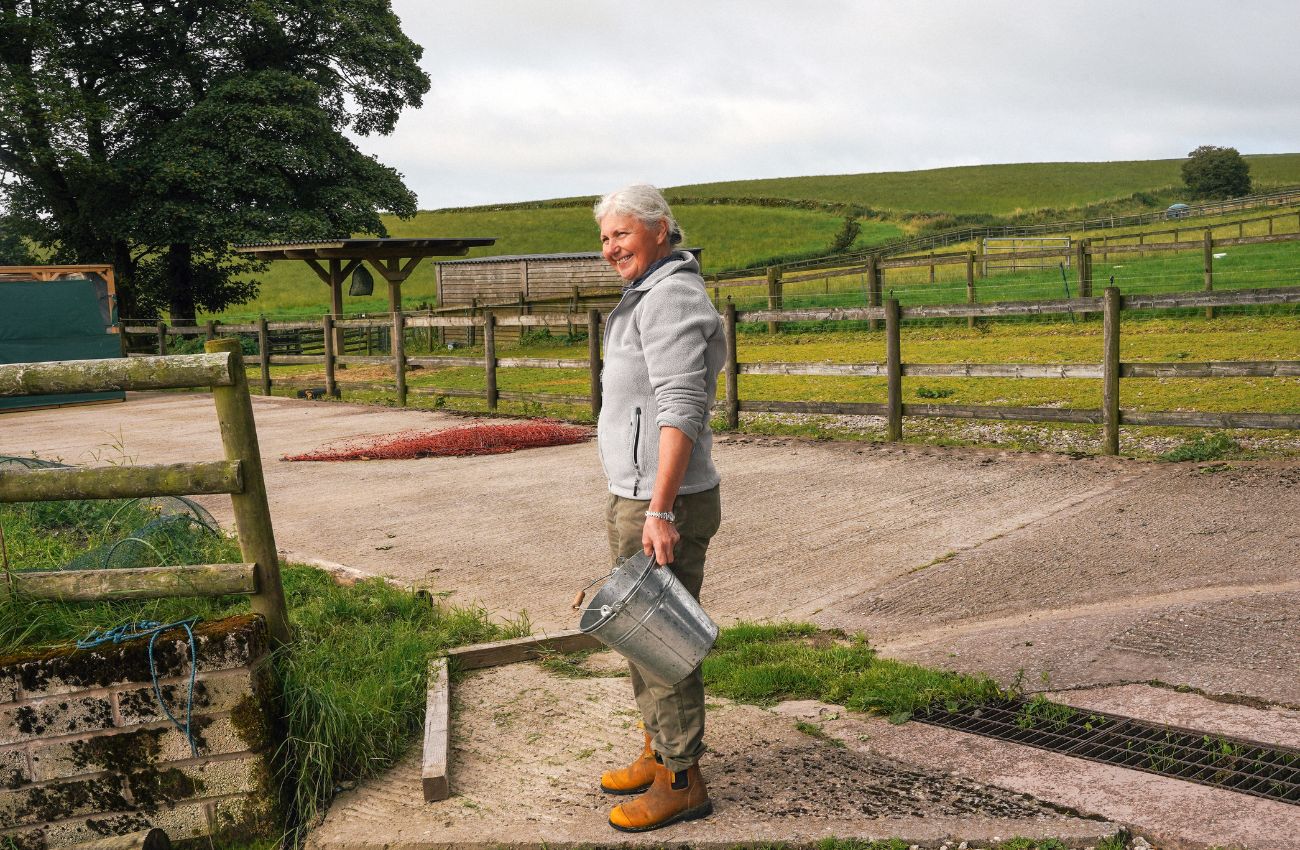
column 437, row 725
column 148, row 839
column 319, row 269
column 520, row 649
column 1205, row 419
column 137, row 373
column 134, row 583
column 122, row 482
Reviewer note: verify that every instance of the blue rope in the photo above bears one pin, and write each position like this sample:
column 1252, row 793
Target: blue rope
column 152, row 628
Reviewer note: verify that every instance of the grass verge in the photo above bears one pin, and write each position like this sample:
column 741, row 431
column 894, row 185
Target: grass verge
column 765, row 664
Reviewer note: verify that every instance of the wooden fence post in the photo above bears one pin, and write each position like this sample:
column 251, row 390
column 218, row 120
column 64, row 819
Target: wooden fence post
column 970, row 285
column 264, row 351
column 773, row 296
column 252, row 514
column 1110, row 371
column 1208, row 253
column 490, row 357
column 162, row 338
column 1085, row 268
column 593, row 359
column 893, row 372
column 327, row 331
column 210, row 330
column 399, row 355
column 875, row 288
column 732, row 367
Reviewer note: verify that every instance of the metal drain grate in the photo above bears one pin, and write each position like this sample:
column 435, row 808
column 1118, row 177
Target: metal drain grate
column 1248, row 767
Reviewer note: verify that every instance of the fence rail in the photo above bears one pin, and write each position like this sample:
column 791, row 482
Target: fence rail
column 1110, row 371
column 239, row 475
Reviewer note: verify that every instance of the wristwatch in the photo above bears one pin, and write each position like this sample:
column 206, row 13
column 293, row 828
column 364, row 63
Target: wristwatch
column 666, row 516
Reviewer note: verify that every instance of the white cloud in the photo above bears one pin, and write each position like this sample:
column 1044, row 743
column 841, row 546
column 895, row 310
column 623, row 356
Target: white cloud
column 535, row 100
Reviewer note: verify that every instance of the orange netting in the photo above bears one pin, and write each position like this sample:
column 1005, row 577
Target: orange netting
column 477, row 439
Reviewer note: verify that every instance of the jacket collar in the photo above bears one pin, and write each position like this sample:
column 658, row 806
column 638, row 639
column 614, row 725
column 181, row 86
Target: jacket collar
column 676, row 261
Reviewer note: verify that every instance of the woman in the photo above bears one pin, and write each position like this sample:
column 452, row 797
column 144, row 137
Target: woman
column 664, row 348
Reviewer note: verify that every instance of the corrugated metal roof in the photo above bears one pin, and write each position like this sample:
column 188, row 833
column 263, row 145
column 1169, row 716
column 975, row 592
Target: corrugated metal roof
column 386, row 242
column 514, row 258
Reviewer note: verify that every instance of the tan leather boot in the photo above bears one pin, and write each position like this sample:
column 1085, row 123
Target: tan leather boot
column 672, row 797
column 634, row 778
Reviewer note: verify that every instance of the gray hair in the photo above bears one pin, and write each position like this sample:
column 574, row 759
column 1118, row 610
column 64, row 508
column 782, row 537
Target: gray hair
column 643, row 201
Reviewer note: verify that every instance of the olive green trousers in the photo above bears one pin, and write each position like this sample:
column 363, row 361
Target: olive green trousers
column 673, row 713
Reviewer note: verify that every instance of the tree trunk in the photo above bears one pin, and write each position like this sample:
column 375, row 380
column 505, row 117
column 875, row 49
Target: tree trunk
column 180, row 284
column 128, row 302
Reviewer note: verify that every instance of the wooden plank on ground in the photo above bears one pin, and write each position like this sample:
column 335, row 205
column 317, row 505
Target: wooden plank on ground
column 520, row 649
column 437, row 723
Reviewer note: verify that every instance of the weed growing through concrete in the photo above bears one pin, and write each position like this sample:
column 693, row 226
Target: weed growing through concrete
column 1208, row 447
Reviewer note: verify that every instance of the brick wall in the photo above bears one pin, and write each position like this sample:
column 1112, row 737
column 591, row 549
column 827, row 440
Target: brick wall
column 86, row 751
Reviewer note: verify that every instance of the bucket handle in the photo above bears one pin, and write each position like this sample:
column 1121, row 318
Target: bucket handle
column 582, row 594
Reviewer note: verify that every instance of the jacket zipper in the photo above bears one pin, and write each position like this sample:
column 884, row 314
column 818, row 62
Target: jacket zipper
column 636, row 446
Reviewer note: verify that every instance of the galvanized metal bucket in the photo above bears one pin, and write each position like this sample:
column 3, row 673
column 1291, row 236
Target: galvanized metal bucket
column 646, row 615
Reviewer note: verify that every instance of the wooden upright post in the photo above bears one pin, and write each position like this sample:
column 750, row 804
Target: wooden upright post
column 875, row 287
column 399, row 355
column 1208, row 254
column 1083, row 266
column 593, row 358
column 1110, row 371
column 162, row 338
column 252, row 513
column 773, row 296
column 327, row 334
column 732, row 367
column 210, row 330
column 264, row 350
column 970, row 285
column 490, row 357
column 894, row 373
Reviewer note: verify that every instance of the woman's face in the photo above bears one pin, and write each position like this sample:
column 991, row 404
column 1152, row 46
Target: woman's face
column 630, row 246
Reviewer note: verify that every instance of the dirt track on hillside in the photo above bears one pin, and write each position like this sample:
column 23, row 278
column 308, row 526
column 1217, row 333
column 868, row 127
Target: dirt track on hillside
column 1082, row 571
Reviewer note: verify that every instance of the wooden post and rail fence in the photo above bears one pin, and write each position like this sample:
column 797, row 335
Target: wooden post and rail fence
column 240, row 476
column 1109, row 371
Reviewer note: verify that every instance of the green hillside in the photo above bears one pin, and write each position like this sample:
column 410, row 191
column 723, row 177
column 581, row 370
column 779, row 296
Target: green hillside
column 990, row 189
column 739, row 235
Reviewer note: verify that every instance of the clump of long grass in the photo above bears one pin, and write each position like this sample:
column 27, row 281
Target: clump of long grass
column 765, row 664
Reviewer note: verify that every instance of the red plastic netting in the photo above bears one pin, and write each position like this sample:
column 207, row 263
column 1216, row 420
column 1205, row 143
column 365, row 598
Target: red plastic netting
column 477, row 439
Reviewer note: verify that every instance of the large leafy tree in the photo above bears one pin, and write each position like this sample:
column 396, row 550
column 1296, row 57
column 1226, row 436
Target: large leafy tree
column 156, row 133
column 1215, row 172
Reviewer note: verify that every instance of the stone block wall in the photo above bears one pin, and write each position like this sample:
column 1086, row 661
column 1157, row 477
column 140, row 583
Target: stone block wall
column 86, row 751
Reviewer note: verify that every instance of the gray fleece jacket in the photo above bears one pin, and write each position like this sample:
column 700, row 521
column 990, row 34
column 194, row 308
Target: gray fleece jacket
column 664, row 348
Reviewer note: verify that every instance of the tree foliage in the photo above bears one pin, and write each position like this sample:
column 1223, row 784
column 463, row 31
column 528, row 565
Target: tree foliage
column 1215, row 172
column 154, row 134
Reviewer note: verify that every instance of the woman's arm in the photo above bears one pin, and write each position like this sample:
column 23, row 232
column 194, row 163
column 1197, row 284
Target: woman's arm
column 659, row 536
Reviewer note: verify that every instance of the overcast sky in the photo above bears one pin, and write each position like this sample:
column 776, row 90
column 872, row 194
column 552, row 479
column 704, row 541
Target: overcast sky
column 548, row 98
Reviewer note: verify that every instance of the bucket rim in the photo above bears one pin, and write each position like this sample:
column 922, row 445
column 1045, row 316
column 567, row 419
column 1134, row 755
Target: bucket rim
column 632, row 591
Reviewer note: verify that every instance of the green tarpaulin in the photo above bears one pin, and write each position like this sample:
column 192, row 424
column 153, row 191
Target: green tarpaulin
column 55, row 320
